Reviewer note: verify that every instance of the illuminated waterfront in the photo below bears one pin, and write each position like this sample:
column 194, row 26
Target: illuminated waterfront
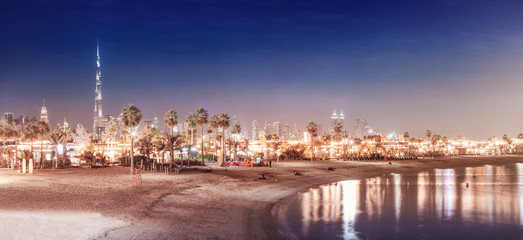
column 431, row 204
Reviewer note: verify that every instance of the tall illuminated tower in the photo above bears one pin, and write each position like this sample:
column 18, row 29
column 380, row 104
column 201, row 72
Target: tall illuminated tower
column 43, row 114
column 98, row 126
column 334, row 118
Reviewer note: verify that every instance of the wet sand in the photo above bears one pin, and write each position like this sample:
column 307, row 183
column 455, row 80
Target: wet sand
column 196, row 204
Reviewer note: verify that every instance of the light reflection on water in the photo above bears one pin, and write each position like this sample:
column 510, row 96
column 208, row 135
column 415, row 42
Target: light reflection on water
column 429, row 205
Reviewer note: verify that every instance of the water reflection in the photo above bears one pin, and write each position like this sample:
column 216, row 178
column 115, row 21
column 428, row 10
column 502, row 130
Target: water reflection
column 430, row 204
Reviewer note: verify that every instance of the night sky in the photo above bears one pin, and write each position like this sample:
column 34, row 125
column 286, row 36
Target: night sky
column 454, row 67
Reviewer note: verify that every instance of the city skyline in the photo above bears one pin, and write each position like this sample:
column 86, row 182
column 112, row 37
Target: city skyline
column 292, row 63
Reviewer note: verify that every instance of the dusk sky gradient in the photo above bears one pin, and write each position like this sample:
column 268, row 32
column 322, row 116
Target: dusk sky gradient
column 454, row 67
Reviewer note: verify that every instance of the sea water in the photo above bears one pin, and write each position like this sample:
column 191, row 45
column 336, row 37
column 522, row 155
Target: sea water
column 434, row 204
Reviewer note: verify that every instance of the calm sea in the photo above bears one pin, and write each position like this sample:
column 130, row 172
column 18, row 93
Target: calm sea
column 433, row 204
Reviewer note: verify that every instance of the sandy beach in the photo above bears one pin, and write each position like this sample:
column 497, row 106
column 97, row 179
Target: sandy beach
column 79, row 203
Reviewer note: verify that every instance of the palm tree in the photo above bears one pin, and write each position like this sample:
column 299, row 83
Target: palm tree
column 109, row 134
column 435, row 140
column 445, row 142
column 202, row 118
column 56, row 138
column 337, row 137
column 190, row 120
column 4, row 134
column 224, row 123
column 131, row 117
column 31, row 134
column 159, row 146
column 326, row 140
column 214, row 124
column 345, row 138
column 43, row 130
column 89, row 157
column 15, row 133
column 171, row 120
column 406, row 136
column 312, row 129
column 173, row 142
column 236, row 128
column 26, row 155
column 338, row 128
column 520, row 137
column 508, row 141
column 148, row 137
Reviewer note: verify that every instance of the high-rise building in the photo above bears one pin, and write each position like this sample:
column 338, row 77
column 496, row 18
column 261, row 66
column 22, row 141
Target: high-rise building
column 276, row 128
column 244, row 134
column 360, row 128
column 156, row 123
column 286, row 132
column 98, row 126
column 10, row 117
column 66, row 124
column 336, row 119
column 43, row 114
column 22, row 120
column 255, row 130
column 267, row 128
column 147, row 123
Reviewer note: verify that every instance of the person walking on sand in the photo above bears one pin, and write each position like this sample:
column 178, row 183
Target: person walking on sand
column 270, row 164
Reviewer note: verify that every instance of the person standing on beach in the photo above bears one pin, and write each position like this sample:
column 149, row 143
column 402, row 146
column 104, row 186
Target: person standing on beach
column 270, row 164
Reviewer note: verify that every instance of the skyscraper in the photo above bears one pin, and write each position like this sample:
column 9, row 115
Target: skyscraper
column 98, row 126
column 267, row 128
column 341, row 118
column 255, row 130
column 336, row 119
column 9, row 117
column 276, row 128
column 43, row 114
column 156, row 123
column 286, row 132
column 360, row 128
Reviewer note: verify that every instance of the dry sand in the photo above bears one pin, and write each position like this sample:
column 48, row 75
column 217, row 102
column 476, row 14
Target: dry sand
column 196, row 204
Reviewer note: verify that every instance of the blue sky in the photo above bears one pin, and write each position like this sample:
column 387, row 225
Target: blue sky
column 453, row 67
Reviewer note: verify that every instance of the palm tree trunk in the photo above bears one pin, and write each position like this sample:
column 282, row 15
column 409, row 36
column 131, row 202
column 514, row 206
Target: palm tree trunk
column 15, row 160
column 16, row 153
column 312, row 148
column 203, row 163
column 132, row 154
column 24, row 166
column 31, row 159
column 42, row 152
column 31, row 165
column 55, row 158
column 224, row 147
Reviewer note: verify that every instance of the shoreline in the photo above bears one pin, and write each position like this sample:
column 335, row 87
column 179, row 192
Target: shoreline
column 225, row 203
